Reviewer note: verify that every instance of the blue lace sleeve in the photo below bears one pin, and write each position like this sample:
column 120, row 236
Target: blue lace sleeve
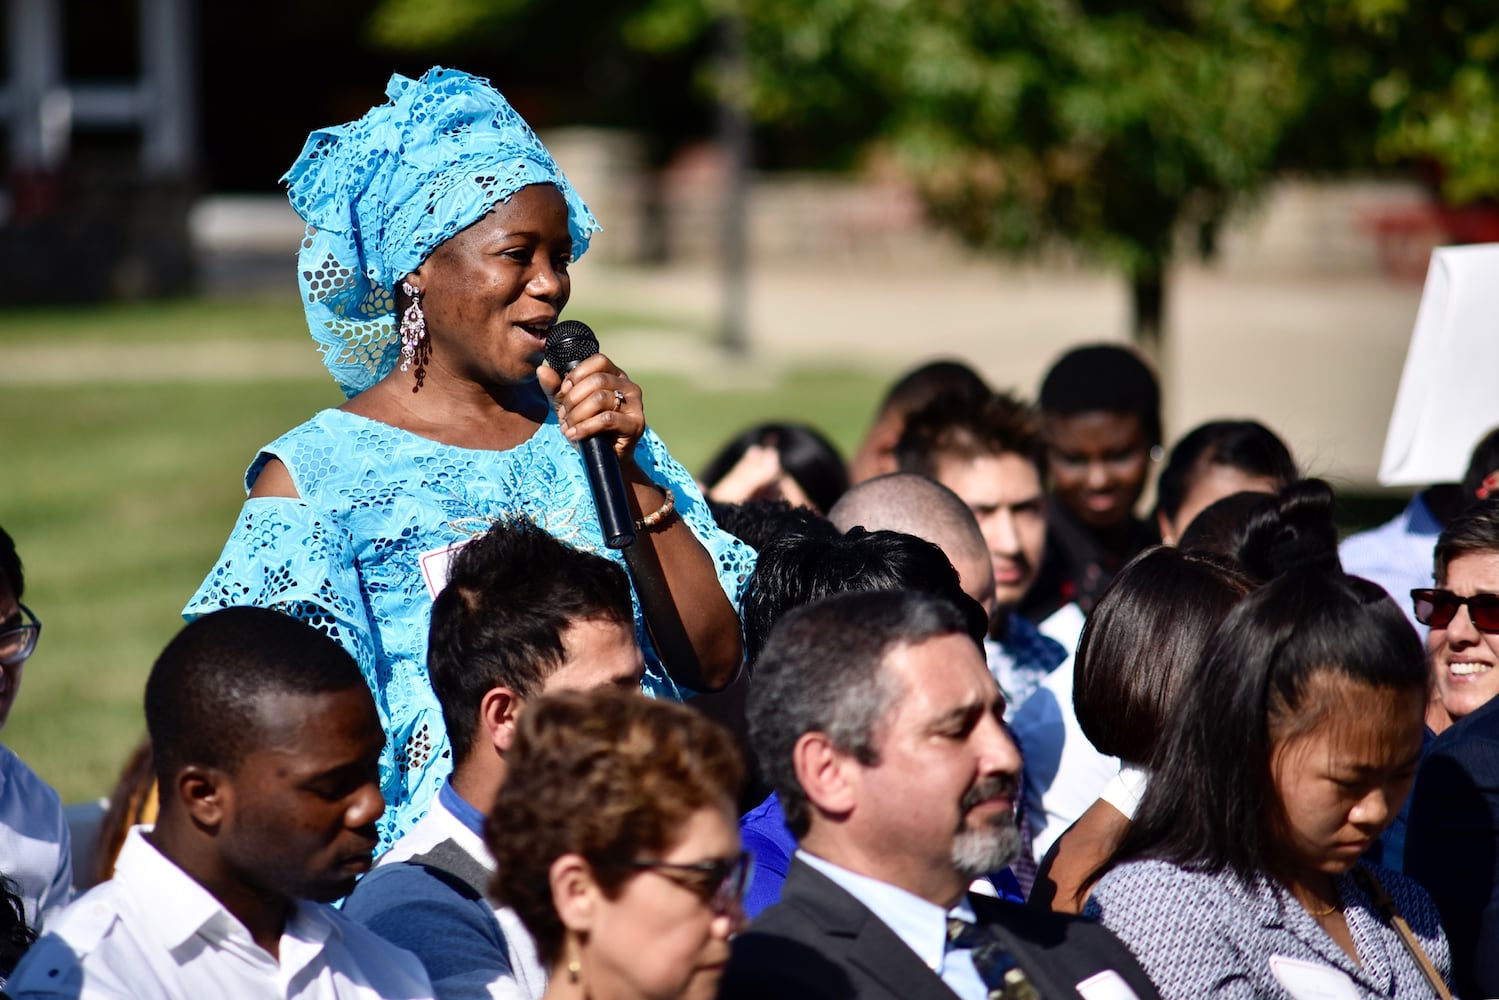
column 282, row 554
column 734, row 560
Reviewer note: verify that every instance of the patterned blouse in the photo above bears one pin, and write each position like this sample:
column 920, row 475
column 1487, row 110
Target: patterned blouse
column 348, row 557
column 1201, row 934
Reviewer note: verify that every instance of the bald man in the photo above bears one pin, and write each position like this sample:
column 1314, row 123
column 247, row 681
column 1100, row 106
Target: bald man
column 922, row 507
column 1019, row 656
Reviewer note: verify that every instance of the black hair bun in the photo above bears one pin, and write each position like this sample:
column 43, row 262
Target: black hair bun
column 1294, row 530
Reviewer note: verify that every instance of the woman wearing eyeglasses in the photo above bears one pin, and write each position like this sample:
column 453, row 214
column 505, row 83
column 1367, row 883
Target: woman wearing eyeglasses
column 618, row 847
column 35, row 847
column 1294, row 747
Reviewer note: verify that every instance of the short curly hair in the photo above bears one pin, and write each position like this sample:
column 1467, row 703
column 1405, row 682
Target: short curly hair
column 608, row 775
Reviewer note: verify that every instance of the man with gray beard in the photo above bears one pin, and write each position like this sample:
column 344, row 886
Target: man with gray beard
column 877, row 721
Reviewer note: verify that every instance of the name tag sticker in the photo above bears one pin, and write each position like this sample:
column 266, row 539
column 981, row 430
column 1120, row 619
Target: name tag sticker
column 1106, row 985
column 1312, row 980
column 435, row 565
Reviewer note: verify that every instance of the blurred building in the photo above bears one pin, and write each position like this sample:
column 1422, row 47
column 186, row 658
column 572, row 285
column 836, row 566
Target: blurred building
column 100, row 170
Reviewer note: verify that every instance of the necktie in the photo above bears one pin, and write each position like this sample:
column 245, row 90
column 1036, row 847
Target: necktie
column 996, row 966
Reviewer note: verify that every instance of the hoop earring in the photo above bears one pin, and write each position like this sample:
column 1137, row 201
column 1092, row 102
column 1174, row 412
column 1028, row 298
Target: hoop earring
column 413, row 326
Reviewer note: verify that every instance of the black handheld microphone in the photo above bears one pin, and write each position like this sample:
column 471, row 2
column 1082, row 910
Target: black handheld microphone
column 568, row 344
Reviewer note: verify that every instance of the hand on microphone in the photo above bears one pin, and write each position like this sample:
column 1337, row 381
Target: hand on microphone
column 587, row 403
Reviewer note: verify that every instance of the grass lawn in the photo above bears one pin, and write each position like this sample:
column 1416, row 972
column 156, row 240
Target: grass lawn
column 120, row 492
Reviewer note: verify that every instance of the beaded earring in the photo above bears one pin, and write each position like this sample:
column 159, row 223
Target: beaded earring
column 413, row 326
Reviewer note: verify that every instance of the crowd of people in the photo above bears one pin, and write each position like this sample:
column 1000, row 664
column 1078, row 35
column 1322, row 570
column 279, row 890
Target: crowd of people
column 952, row 717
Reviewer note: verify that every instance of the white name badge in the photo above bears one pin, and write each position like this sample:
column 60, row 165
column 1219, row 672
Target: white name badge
column 1106, row 985
column 436, row 564
column 1312, row 980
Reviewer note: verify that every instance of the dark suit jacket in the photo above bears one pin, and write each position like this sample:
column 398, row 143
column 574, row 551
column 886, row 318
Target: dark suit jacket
column 1452, row 845
column 820, row 943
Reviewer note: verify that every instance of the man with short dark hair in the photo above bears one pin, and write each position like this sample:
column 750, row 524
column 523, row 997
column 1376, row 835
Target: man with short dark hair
column 880, row 727
column 798, row 569
column 988, row 450
column 522, row 614
column 267, row 748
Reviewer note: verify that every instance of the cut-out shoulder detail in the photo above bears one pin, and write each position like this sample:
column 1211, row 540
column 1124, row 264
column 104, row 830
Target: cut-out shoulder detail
column 377, row 506
column 273, row 480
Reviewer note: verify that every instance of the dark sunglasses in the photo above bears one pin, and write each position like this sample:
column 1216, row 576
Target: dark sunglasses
column 1437, row 608
column 19, row 641
column 719, row 882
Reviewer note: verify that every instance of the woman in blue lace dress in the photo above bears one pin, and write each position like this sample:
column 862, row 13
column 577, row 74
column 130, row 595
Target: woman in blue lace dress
column 439, row 236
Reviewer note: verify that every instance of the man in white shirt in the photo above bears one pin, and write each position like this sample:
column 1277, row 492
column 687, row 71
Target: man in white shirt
column 878, row 723
column 35, row 847
column 521, row 615
column 267, row 747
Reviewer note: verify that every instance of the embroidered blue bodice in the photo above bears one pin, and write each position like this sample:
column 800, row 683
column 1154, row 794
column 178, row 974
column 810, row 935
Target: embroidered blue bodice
column 346, row 557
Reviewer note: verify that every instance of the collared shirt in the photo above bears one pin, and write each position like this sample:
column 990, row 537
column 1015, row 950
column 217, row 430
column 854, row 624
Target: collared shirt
column 771, row 844
column 471, row 948
column 154, row 932
column 1397, row 555
column 921, row 925
column 35, row 847
column 1020, row 658
column 1064, row 773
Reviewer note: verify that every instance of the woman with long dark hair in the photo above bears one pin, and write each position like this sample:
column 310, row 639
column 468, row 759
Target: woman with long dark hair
column 1137, row 655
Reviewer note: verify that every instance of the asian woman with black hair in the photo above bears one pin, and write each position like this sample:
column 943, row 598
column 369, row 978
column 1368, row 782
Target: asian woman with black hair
column 1295, row 746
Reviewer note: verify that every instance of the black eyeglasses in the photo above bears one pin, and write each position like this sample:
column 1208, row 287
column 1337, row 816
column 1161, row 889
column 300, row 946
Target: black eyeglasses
column 19, row 641
column 1437, row 608
column 719, row 882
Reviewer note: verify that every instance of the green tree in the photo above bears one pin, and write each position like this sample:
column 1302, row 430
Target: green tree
column 1113, row 129
column 1106, row 127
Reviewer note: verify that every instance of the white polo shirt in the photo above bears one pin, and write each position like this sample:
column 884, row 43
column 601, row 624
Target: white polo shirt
column 154, row 932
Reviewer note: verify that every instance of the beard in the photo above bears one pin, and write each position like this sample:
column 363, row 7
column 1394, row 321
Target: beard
column 991, row 847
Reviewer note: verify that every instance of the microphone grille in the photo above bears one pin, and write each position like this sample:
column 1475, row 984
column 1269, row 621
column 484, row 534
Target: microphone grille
column 568, row 343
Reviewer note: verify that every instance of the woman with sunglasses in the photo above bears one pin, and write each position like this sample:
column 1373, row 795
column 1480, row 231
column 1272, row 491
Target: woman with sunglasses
column 618, row 847
column 1454, row 810
column 1296, row 744
column 1462, row 610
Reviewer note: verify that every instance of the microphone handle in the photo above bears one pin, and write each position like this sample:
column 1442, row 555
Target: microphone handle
column 609, row 494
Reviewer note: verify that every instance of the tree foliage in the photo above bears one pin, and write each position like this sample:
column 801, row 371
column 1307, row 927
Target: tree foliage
column 1105, row 126
column 1110, row 127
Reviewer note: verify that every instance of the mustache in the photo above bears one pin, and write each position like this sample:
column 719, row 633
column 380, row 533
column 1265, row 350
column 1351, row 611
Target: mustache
column 992, row 787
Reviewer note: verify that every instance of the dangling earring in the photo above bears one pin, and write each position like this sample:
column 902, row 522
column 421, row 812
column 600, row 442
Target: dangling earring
column 574, row 965
column 413, row 326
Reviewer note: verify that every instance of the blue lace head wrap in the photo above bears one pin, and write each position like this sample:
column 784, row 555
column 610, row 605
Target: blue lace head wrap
column 380, row 193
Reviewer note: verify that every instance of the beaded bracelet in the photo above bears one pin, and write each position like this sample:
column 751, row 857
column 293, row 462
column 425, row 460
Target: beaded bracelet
column 660, row 514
